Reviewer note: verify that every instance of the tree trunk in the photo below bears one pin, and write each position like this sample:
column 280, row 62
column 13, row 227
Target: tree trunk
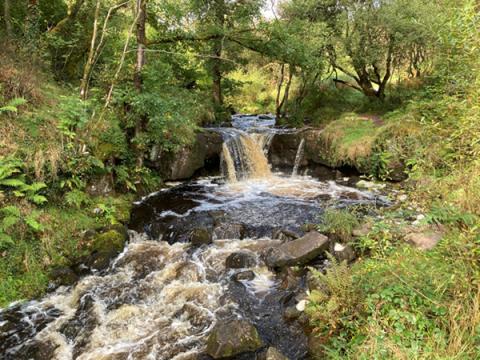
column 388, row 73
column 217, row 49
column 286, row 94
column 137, row 77
column 217, row 75
column 90, row 59
column 279, row 90
column 281, row 110
column 6, row 17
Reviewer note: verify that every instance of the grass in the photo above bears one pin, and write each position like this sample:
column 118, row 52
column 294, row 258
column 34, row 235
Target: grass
column 408, row 305
column 25, row 267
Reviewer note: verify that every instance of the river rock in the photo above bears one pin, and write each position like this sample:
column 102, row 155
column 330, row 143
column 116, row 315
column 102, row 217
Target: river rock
column 203, row 152
column 343, row 252
column 229, row 231
column 200, row 236
column 424, row 240
column 232, row 338
column 274, row 354
column 103, row 245
column 240, row 260
column 284, row 235
column 297, row 252
column 244, row 276
column 63, row 275
column 283, row 149
column 291, row 313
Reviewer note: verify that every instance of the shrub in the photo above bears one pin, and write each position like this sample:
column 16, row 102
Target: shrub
column 339, row 223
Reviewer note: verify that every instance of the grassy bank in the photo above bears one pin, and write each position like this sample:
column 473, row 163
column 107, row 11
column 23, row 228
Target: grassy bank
column 397, row 301
column 54, row 184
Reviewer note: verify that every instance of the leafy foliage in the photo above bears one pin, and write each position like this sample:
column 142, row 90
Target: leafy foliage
column 339, row 223
column 14, row 182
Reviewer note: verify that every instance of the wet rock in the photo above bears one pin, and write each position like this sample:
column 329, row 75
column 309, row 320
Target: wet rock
column 343, row 252
column 79, row 328
column 244, row 276
column 315, row 346
column 183, row 164
column 274, row 354
column 63, row 276
column 106, row 245
column 291, row 313
column 229, row 231
column 290, row 279
column 35, row 350
column 424, row 240
column 284, row 235
column 232, row 338
column 240, row 260
column 283, row 149
column 19, row 323
column 297, row 252
column 200, row 236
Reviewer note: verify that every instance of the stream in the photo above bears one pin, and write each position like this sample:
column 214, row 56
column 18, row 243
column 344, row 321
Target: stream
column 162, row 296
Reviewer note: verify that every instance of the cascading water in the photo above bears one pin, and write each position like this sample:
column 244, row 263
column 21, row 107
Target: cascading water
column 298, row 157
column 243, row 155
column 162, row 296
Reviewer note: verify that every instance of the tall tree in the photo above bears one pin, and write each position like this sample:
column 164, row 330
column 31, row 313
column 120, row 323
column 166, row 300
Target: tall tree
column 6, row 17
column 141, row 14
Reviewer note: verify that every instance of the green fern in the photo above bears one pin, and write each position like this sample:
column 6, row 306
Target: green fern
column 11, row 177
column 10, row 216
column 12, row 105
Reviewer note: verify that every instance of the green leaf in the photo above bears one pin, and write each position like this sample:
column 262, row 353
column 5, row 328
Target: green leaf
column 12, row 182
column 33, row 223
column 5, row 240
column 9, row 221
column 38, row 199
column 10, row 211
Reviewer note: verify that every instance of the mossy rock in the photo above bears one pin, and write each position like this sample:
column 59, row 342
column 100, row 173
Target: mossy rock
column 105, row 245
column 112, row 240
column 232, row 338
column 63, row 275
column 201, row 236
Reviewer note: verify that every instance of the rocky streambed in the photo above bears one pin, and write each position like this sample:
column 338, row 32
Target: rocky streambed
column 213, row 269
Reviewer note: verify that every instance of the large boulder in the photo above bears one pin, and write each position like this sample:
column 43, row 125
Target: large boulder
column 203, row 152
column 297, row 252
column 283, row 149
column 232, row 338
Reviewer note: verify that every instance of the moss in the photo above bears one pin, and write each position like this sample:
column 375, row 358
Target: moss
column 110, row 241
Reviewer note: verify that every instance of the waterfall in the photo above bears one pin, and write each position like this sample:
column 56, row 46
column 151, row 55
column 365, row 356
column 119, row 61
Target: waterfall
column 298, row 157
column 244, row 155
